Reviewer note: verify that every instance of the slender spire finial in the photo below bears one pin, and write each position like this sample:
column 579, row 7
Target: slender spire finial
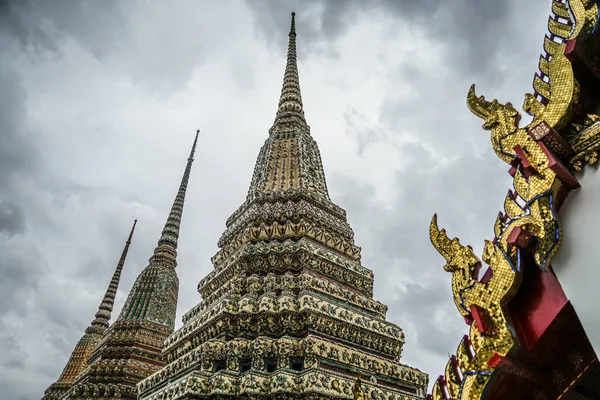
column 290, row 101
column 293, row 24
column 141, row 303
column 100, row 323
column 170, row 232
column 131, row 233
column 191, row 157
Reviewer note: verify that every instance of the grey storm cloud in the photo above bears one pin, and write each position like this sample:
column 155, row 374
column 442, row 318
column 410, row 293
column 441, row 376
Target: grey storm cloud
column 41, row 26
column 17, row 156
column 469, row 28
column 99, row 102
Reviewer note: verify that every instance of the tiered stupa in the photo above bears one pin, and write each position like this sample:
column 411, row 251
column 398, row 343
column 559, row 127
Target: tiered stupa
column 288, row 311
column 130, row 349
column 79, row 357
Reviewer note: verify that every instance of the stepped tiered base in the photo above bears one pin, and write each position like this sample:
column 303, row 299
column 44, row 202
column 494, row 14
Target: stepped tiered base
column 309, row 368
column 285, row 320
column 129, row 352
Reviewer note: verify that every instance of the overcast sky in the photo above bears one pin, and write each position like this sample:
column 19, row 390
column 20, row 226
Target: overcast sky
column 100, row 100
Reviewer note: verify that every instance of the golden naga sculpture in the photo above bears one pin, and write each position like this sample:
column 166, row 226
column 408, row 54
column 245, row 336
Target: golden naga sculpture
column 562, row 87
column 534, row 182
column 461, row 262
column 529, row 222
column 474, row 297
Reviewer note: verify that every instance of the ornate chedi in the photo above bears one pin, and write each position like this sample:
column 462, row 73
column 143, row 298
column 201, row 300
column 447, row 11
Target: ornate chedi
column 78, row 361
column 288, row 311
column 130, row 349
column 525, row 339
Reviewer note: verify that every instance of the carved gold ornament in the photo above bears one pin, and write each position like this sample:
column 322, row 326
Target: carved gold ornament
column 529, row 221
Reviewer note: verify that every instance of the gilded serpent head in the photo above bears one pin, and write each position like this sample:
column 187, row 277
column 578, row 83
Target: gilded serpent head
column 458, row 257
column 493, row 113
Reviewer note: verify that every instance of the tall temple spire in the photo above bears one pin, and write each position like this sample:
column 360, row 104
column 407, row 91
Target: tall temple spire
column 290, row 101
column 288, row 311
column 147, row 318
column 290, row 161
column 100, row 323
column 170, row 232
column 78, row 361
column 143, row 301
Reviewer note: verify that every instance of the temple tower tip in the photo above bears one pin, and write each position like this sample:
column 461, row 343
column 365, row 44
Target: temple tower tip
column 293, row 24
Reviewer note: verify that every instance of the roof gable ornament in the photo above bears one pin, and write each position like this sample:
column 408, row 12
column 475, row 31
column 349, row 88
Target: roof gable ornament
column 529, row 222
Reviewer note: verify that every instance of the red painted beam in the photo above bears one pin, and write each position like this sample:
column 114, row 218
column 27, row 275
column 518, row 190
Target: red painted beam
column 481, row 319
column 513, row 367
column 528, row 168
column 570, row 46
column 443, row 385
column 559, row 168
column 520, row 237
column 455, row 367
column 544, row 133
column 536, row 304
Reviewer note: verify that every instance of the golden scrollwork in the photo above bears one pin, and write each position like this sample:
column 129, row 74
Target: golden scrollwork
column 488, row 297
column 556, row 83
column 535, row 183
